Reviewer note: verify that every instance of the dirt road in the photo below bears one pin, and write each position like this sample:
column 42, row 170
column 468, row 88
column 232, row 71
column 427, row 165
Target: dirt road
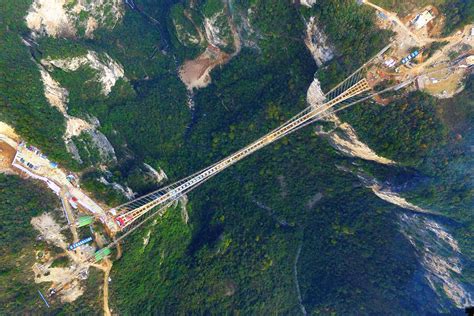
column 421, row 40
column 108, row 267
column 69, row 213
column 393, row 17
column 442, row 54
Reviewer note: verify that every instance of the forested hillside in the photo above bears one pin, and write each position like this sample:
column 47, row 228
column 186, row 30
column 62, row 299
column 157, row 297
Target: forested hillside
column 293, row 227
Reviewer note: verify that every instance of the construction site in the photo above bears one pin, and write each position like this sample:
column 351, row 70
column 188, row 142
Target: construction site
column 78, row 239
column 419, row 51
column 416, row 60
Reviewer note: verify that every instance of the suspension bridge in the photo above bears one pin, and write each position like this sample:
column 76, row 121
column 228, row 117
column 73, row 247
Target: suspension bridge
column 352, row 90
column 126, row 218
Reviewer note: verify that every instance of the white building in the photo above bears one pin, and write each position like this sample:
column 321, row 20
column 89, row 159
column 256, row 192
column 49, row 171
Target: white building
column 422, row 19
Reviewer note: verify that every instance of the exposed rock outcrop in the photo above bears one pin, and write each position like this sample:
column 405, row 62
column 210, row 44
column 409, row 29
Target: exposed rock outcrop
column 57, row 96
column 106, row 150
column 344, row 137
column 63, row 18
column 440, row 256
column 158, row 175
column 126, row 191
column 108, row 70
column 308, row 3
column 215, row 34
column 317, row 43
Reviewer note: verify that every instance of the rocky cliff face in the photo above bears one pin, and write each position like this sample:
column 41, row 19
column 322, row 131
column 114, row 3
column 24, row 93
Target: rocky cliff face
column 440, row 258
column 308, row 3
column 57, row 96
column 438, row 251
column 344, row 138
column 62, row 18
column 159, row 176
column 108, row 70
column 317, row 43
column 216, row 27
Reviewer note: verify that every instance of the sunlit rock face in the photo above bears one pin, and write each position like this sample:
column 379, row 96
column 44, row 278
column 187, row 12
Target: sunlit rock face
column 213, row 32
column 317, row 43
column 57, row 97
column 344, row 138
column 308, row 3
column 63, row 18
column 441, row 259
column 108, row 70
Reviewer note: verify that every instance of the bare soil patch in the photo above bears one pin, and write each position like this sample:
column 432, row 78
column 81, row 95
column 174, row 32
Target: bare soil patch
column 196, row 73
column 7, row 153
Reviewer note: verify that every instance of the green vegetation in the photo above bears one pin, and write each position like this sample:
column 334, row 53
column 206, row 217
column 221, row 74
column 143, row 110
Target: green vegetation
column 458, row 113
column 60, row 48
column 350, row 28
column 20, row 200
column 414, row 130
column 405, row 7
column 184, row 28
column 236, row 256
column 134, row 43
column 61, row 262
column 237, row 252
column 435, row 137
column 217, row 13
column 90, row 303
column 88, row 152
column 22, row 101
column 432, row 48
column 458, row 13
column 84, row 90
column 18, row 207
column 211, row 7
column 450, row 189
column 100, row 190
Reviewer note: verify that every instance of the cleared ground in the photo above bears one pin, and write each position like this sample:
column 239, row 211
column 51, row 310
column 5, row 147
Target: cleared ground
column 445, row 83
column 7, row 153
column 404, row 7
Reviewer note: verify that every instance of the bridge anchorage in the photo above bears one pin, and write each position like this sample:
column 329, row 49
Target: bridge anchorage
column 126, row 218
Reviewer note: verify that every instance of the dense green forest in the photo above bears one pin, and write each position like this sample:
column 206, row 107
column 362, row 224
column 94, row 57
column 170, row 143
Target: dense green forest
column 436, row 137
column 350, row 27
column 458, row 14
column 405, row 131
column 22, row 102
column 20, row 200
column 239, row 246
column 237, row 253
